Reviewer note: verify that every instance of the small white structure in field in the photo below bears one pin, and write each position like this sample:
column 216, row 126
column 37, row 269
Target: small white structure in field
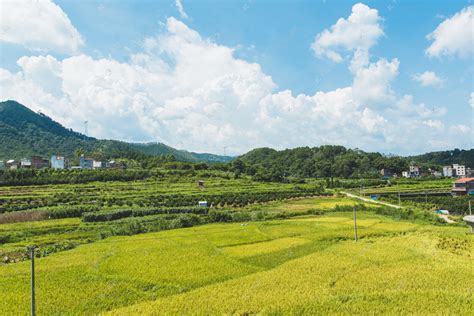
column 202, row 203
column 469, row 219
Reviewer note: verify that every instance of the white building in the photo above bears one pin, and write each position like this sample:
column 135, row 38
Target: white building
column 405, row 174
column 25, row 163
column 447, row 171
column 12, row 164
column 460, row 170
column 414, row 171
column 98, row 164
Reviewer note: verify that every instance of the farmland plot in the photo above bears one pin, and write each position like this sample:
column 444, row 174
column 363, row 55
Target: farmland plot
column 302, row 265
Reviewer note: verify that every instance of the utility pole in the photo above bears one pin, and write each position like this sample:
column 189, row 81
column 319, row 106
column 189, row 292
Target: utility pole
column 470, row 209
column 33, row 302
column 399, row 200
column 355, row 224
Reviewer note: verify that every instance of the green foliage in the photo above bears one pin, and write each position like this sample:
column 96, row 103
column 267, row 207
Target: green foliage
column 266, row 164
column 51, row 176
column 448, row 157
column 110, row 215
column 220, row 216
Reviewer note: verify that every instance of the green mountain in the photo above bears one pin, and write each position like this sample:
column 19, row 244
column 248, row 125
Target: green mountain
column 24, row 133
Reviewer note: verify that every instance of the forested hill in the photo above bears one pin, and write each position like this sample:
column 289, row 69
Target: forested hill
column 336, row 161
column 24, row 133
column 448, row 157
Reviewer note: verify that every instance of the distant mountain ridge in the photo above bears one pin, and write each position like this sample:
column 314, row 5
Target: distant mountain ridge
column 24, row 133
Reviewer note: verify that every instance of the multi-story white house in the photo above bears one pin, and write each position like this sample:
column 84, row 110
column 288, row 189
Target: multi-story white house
column 447, row 171
column 414, row 171
column 459, row 170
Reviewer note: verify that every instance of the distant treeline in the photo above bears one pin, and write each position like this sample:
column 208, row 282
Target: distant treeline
column 321, row 162
column 447, row 157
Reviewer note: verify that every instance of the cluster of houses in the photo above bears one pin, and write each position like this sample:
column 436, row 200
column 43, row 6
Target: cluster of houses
column 457, row 171
column 59, row 162
column 414, row 171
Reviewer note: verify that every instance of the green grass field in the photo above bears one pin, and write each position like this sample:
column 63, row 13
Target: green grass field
column 303, row 265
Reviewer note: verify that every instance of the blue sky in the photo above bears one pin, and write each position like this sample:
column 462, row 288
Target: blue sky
column 274, row 89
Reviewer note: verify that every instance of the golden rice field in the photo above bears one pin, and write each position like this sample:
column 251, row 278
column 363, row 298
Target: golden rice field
column 308, row 265
column 304, row 204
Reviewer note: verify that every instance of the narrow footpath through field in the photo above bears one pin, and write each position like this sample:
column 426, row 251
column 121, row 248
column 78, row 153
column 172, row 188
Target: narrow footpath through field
column 370, row 200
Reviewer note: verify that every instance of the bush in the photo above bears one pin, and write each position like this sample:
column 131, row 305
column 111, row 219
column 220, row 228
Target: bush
column 110, row 215
column 219, row 216
column 241, row 217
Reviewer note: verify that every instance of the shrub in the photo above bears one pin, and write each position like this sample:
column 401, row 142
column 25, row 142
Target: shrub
column 219, row 216
column 110, row 215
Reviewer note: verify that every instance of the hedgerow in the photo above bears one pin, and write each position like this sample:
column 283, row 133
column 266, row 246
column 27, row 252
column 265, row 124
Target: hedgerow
column 110, row 215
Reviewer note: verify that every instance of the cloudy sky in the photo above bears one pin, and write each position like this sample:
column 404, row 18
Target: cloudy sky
column 392, row 76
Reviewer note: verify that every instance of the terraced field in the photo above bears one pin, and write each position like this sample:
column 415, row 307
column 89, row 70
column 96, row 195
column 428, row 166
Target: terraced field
column 156, row 191
column 302, row 265
column 439, row 185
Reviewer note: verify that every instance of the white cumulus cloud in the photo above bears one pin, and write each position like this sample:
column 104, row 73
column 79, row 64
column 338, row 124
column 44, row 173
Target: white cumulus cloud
column 190, row 92
column 454, row 36
column 471, row 100
column 359, row 32
column 180, row 7
column 428, row 78
column 39, row 25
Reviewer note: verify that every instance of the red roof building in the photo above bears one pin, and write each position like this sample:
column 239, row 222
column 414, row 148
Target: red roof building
column 463, row 186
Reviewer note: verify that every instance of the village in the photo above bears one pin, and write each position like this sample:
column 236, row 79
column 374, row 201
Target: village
column 60, row 162
column 462, row 185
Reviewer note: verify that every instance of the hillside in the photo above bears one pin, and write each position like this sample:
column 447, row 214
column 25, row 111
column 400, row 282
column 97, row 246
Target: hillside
column 338, row 161
column 24, row 133
column 448, row 157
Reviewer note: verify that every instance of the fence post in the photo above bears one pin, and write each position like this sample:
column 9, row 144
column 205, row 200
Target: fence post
column 33, row 301
column 355, row 224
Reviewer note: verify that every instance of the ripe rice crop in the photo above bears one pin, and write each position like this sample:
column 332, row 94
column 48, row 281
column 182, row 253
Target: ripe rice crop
column 396, row 267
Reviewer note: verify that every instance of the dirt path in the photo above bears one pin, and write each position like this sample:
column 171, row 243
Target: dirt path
column 370, row 200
